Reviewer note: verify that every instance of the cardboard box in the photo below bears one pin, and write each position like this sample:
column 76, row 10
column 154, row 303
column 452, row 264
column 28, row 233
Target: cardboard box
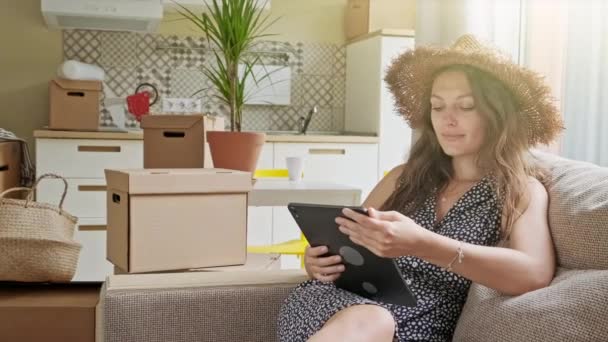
column 46, row 312
column 74, row 105
column 175, row 219
column 178, row 141
column 10, row 166
column 366, row 16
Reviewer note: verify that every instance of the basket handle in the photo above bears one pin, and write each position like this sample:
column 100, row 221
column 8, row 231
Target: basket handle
column 52, row 176
column 8, row 191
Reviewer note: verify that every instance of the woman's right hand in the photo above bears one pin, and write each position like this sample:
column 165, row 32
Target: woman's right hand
column 325, row 269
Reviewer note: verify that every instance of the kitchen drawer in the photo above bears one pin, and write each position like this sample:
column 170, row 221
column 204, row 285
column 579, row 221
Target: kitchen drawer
column 85, row 197
column 92, row 263
column 350, row 164
column 83, row 158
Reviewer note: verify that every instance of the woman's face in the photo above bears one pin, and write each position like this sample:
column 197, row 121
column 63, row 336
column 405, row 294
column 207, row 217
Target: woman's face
column 458, row 125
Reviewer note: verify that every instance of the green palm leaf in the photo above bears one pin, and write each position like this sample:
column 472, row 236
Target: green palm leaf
column 231, row 27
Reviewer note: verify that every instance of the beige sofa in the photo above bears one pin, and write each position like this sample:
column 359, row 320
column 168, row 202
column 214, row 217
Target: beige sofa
column 243, row 306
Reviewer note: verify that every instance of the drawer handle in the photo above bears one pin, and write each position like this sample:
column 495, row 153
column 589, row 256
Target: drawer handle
column 116, row 198
column 3, row 168
column 76, row 93
column 326, row 151
column 91, row 188
column 98, row 148
column 92, row 227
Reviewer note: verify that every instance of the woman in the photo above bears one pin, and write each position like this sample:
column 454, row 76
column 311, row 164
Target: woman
column 466, row 207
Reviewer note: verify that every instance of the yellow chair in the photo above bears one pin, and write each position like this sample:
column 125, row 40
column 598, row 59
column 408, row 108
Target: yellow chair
column 291, row 247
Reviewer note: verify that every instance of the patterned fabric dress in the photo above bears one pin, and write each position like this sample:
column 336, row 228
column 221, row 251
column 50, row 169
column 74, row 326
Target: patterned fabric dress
column 474, row 218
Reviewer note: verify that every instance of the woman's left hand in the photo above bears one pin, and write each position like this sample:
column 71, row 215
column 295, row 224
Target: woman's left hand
column 387, row 234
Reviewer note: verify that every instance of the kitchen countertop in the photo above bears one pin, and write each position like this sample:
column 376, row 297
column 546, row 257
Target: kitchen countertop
column 270, row 137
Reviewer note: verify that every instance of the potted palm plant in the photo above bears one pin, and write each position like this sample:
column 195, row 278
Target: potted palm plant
column 232, row 27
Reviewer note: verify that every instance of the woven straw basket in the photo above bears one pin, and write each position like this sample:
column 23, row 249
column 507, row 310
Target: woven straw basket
column 37, row 239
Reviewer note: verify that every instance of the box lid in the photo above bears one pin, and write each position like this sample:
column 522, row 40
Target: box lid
column 170, row 121
column 78, row 85
column 178, row 181
column 137, row 282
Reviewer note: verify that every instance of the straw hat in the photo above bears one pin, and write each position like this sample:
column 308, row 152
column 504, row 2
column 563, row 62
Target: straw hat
column 411, row 74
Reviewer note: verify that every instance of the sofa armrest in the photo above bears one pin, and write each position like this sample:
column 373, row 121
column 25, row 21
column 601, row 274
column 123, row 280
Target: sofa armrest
column 193, row 306
column 573, row 308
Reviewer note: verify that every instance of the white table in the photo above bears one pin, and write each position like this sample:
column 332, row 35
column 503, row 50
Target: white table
column 280, row 192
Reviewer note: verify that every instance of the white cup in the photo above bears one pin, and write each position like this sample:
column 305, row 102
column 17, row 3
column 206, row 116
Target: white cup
column 294, row 167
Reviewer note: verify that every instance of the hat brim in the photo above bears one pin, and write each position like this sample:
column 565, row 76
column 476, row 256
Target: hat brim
column 410, row 77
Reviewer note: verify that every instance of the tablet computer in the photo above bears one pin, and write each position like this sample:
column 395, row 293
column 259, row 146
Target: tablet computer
column 365, row 273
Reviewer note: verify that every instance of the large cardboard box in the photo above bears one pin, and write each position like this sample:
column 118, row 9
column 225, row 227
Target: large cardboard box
column 174, row 219
column 366, row 16
column 10, row 166
column 47, row 312
column 178, row 141
column 74, row 105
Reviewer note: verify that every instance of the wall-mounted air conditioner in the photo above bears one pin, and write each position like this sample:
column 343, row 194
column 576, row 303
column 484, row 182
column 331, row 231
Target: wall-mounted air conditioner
column 112, row 15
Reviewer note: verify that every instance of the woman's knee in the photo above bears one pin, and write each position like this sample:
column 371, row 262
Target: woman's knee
column 369, row 320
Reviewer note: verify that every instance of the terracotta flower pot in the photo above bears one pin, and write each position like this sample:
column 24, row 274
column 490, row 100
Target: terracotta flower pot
column 235, row 150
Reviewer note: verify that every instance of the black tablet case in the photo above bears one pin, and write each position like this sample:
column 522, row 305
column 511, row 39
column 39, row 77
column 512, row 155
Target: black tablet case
column 379, row 279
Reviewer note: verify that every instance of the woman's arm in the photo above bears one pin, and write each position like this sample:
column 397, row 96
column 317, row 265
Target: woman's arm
column 383, row 189
column 528, row 264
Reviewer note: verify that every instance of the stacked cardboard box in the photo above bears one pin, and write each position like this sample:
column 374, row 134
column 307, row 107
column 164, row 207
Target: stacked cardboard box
column 74, row 105
column 176, row 219
column 366, row 16
column 178, row 141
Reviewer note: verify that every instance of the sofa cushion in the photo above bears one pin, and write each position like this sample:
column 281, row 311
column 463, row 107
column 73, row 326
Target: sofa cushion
column 573, row 308
column 218, row 306
column 578, row 211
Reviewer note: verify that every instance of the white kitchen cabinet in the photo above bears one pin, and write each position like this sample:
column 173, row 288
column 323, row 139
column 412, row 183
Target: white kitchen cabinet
column 266, row 159
column 87, row 158
column 369, row 106
column 82, row 163
column 349, row 164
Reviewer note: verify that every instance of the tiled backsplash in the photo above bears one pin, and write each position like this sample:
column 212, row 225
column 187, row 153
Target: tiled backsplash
column 172, row 64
